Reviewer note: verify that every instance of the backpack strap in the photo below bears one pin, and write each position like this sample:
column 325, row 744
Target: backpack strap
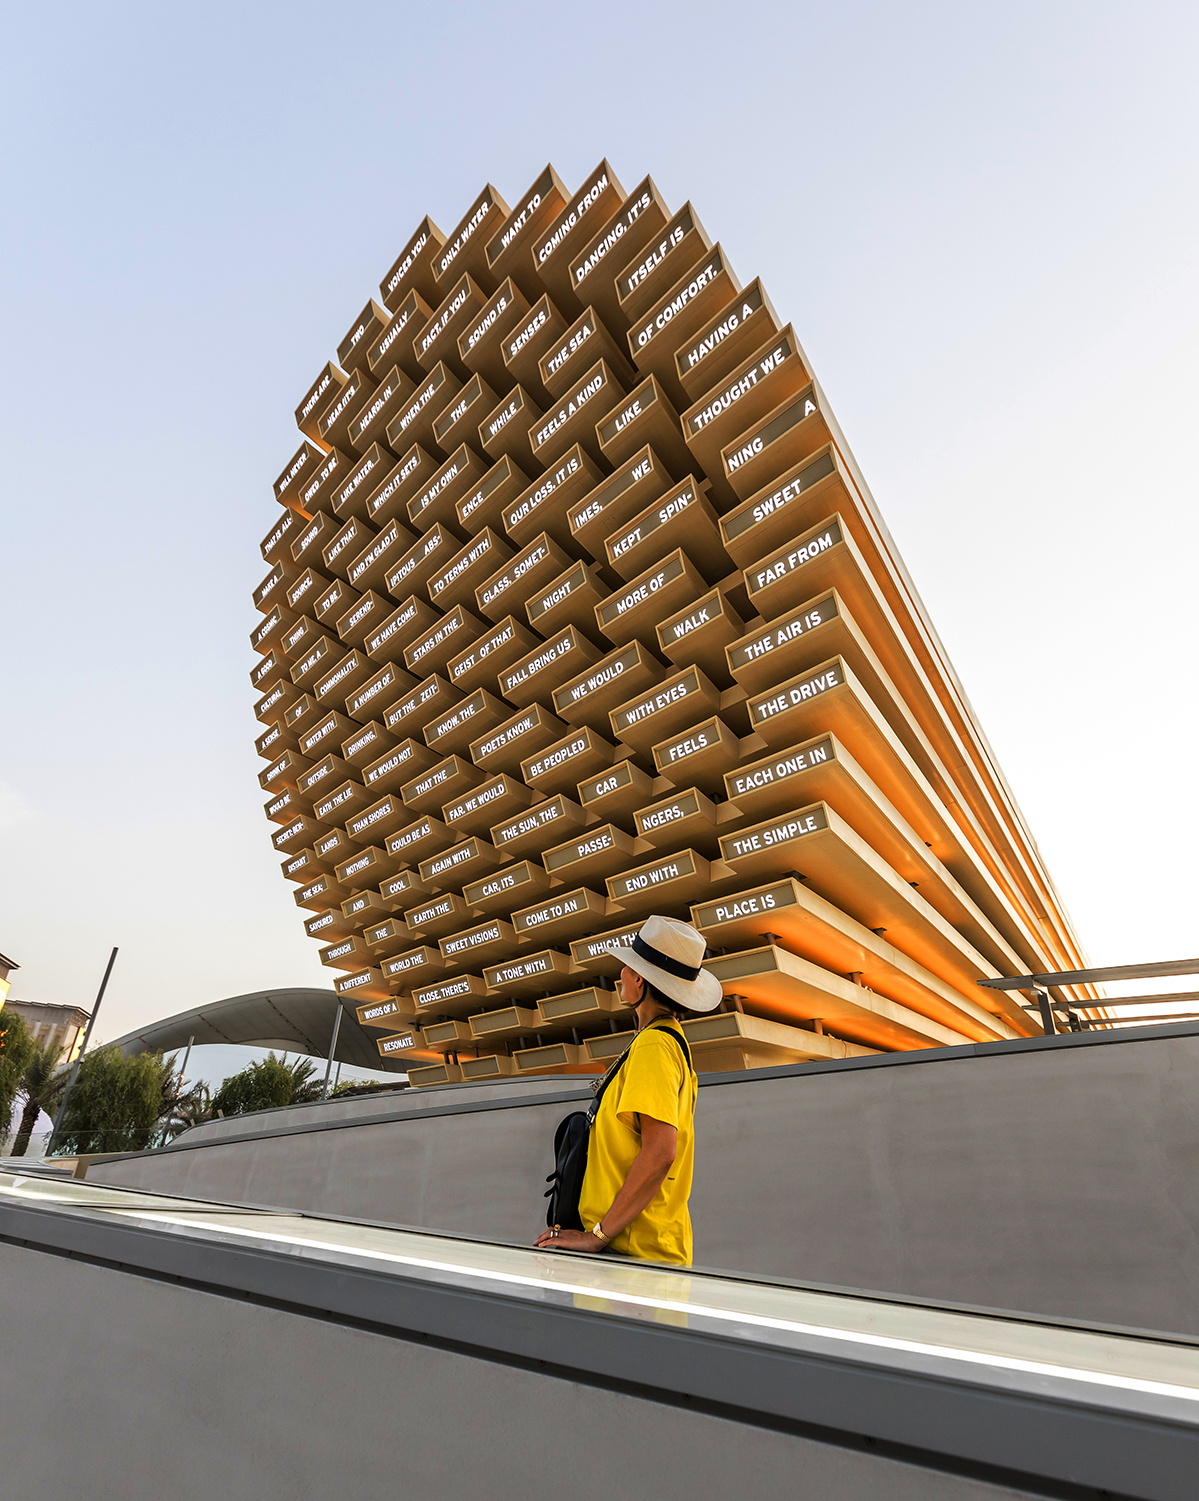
column 602, row 1086
column 682, row 1042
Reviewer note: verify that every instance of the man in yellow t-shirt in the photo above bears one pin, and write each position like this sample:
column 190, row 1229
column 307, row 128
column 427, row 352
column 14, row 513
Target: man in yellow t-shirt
column 641, row 1149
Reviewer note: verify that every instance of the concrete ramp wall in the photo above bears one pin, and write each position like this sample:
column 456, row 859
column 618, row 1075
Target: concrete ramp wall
column 204, row 1350
column 1055, row 1176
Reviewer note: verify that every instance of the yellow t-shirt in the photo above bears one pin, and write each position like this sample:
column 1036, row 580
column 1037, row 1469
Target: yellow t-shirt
column 654, row 1080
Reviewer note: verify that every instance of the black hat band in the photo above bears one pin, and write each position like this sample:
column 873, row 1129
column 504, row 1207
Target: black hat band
column 663, row 961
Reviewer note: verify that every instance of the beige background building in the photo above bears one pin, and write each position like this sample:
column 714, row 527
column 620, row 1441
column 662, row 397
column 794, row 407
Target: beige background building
column 63, row 1025
column 6, row 968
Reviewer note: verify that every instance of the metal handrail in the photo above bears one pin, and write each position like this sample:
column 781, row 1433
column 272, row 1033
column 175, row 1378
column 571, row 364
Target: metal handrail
column 1177, row 996
column 1038, row 985
column 1088, row 976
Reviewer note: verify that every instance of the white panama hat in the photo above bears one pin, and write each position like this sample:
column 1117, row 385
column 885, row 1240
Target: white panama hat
column 669, row 954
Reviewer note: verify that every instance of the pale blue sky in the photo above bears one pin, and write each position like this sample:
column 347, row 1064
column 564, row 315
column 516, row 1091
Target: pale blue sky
column 982, row 221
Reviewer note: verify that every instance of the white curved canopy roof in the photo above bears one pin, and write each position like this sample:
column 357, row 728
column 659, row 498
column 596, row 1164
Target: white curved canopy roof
column 298, row 1020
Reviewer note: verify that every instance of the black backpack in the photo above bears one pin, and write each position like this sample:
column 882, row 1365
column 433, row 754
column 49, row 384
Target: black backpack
column 571, row 1140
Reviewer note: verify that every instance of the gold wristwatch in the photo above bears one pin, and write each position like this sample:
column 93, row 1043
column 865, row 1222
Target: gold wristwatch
column 598, row 1231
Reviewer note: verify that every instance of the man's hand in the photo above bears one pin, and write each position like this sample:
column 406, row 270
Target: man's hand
column 570, row 1240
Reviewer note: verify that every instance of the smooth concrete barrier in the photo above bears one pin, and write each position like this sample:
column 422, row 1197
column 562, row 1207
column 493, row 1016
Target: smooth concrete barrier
column 363, row 1108
column 285, row 1358
column 181, row 1393
column 1057, row 1176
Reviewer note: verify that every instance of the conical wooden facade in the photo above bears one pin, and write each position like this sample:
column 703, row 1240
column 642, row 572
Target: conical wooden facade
column 579, row 608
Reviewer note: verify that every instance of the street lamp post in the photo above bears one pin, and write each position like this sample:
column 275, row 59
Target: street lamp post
column 66, row 1094
column 332, row 1050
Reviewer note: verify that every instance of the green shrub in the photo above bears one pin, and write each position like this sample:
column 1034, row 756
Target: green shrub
column 115, row 1104
column 16, row 1049
column 265, row 1085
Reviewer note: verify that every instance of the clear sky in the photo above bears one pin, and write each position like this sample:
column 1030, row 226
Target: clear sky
column 982, row 221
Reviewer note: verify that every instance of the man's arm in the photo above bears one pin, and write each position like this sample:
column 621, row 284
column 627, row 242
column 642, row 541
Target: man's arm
column 659, row 1146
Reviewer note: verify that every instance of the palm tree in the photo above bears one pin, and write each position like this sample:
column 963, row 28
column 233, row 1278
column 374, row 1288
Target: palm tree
column 307, row 1088
column 183, row 1111
column 41, row 1085
column 267, row 1084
